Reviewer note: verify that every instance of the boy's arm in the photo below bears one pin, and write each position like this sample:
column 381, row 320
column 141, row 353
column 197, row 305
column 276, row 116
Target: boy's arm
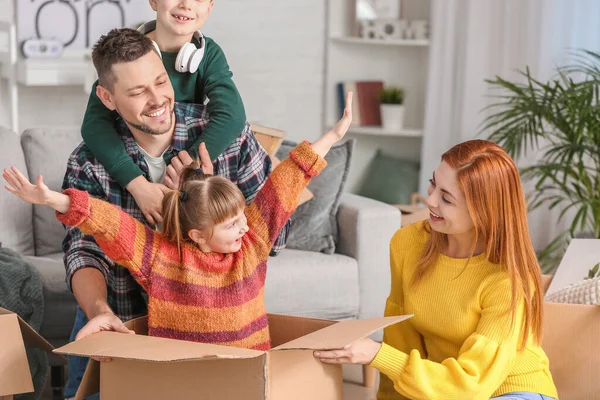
column 226, row 109
column 100, row 135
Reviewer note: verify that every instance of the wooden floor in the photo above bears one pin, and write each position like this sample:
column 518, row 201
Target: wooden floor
column 353, row 391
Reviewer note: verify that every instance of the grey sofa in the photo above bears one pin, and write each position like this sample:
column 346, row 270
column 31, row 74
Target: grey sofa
column 352, row 283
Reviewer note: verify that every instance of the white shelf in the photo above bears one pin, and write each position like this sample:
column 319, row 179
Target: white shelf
column 379, row 131
column 381, row 42
column 70, row 69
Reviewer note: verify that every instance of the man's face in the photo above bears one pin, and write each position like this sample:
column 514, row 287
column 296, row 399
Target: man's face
column 181, row 17
column 142, row 94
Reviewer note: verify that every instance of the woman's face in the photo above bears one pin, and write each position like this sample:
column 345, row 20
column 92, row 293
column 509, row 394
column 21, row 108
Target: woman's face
column 448, row 211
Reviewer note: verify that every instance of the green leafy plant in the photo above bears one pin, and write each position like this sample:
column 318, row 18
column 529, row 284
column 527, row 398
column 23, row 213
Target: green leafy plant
column 560, row 118
column 594, row 272
column 392, row 95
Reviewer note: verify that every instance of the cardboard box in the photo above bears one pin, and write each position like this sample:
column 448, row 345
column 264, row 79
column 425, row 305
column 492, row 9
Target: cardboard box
column 150, row 368
column 580, row 257
column 572, row 331
column 269, row 138
column 414, row 212
column 15, row 334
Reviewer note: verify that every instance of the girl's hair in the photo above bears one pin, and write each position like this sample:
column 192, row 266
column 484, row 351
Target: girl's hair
column 201, row 202
column 491, row 184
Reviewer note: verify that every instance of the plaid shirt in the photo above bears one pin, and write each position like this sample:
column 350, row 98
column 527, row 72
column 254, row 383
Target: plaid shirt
column 244, row 162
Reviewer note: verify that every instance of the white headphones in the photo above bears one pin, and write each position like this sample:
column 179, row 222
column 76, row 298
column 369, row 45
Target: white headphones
column 189, row 56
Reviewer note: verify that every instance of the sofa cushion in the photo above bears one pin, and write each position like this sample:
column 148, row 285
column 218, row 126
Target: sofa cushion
column 46, row 153
column 59, row 303
column 16, row 231
column 312, row 284
column 390, row 180
column 314, row 223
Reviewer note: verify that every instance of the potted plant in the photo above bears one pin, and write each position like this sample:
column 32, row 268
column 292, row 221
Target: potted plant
column 392, row 108
column 561, row 119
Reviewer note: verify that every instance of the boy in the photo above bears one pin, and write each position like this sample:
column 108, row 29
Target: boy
column 205, row 74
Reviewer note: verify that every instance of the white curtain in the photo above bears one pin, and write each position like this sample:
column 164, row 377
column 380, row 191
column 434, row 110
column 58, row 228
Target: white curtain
column 474, row 40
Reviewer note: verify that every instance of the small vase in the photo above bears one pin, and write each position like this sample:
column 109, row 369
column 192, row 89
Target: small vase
column 392, row 117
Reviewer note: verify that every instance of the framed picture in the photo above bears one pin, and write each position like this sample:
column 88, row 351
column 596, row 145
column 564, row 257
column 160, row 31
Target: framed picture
column 372, row 10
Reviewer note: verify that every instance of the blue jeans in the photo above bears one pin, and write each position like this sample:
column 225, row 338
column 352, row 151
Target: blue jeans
column 522, row 396
column 77, row 365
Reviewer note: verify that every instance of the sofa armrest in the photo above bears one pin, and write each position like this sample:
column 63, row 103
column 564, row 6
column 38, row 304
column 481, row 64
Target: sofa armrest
column 365, row 228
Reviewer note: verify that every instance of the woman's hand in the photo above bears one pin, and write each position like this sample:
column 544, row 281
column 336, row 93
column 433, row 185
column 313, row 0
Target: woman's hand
column 360, row 352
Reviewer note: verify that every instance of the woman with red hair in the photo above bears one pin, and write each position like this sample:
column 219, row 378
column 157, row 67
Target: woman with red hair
column 471, row 278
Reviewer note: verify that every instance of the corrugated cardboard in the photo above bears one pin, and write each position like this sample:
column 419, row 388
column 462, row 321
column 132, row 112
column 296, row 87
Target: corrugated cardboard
column 269, row 138
column 15, row 334
column 158, row 368
column 572, row 331
column 581, row 256
column 414, row 212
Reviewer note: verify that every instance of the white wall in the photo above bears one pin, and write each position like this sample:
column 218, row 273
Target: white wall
column 275, row 50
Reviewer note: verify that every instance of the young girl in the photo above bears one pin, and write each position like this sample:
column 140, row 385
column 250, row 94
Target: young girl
column 205, row 273
column 470, row 276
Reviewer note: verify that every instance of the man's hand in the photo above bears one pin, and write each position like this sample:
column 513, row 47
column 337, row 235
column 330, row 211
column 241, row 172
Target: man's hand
column 148, row 197
column 361, row 352
column 103, row 322
column 183, row 160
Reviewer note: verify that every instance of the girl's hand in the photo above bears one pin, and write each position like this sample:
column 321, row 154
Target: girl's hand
column 360, row 352
column 322, row 145
column 20, row 186
column 34, row 194
column 339, row 130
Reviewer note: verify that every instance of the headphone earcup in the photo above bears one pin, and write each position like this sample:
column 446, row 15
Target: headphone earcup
column 183, row 57
column 157, row 49
column 195, row 60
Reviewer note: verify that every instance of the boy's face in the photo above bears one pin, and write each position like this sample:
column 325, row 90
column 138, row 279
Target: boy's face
column 181, row 17
column 142, row 94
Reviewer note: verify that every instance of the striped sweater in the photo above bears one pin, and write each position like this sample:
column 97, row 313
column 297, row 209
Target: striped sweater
column 205, row 297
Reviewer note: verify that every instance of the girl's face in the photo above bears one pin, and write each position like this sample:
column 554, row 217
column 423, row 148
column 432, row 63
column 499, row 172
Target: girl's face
column 226, row 237
column 448, row 211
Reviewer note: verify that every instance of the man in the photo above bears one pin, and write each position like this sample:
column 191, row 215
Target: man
column 154, row 129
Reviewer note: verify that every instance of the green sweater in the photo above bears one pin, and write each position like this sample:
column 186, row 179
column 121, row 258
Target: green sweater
column 213, row 79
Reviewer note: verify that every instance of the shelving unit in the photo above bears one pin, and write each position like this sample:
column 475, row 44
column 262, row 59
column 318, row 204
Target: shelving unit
column 380, row 42
column 379, row 131
column 397, row 62
column 70, row 69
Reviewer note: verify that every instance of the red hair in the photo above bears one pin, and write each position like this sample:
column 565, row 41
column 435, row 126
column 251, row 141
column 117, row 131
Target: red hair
column 490, row 182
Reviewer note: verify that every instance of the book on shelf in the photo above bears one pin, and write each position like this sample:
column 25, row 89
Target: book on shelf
column 365, row 105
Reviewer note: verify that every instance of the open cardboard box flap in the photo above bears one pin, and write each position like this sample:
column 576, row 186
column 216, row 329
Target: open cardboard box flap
column 155, row 349
column 580, row 257
column 30, row 337
column 15, row 334
column 341, row 334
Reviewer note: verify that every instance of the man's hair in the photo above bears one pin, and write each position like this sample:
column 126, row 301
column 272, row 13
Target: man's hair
column 118, row 46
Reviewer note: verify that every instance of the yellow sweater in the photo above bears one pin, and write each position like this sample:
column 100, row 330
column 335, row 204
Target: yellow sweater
column 459, row 345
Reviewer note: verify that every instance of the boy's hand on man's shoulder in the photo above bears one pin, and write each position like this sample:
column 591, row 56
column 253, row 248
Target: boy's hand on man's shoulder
column 148, row 197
